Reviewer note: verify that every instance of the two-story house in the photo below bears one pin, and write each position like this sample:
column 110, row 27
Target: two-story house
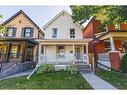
column 109, row 46
column 63, row 41
column 18, row 43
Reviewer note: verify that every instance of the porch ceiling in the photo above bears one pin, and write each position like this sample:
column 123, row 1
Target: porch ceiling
column 64, row 41
column 115, row 35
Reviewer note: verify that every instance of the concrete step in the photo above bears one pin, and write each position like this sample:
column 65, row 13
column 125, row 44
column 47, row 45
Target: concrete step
column 83, row 65
column 85, row 68
column 85, row 71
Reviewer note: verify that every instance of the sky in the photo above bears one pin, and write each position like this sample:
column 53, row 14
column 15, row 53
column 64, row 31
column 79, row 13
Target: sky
column 39, row 14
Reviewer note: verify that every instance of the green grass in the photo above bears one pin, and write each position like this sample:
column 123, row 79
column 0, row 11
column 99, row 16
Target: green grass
column 119, row 80
column 55, row 80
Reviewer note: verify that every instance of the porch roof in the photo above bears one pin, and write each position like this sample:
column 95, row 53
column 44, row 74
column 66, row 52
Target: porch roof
column 121, row 35
column 6, row 39
column 64, row 41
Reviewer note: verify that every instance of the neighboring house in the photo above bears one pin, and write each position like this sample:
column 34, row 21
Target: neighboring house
column 18, row 42
column 63, row 42
column 110, row 45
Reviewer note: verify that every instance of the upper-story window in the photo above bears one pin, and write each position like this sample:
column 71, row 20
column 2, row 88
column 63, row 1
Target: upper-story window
column 72, row 33
column 11, row 32
column 54, row 32
column 27, row 32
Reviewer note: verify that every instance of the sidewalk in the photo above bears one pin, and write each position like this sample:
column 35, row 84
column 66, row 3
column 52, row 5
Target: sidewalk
column 18, row 74
column 96, row 82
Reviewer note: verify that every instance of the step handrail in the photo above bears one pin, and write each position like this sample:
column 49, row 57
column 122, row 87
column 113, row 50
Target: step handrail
column 28, row 77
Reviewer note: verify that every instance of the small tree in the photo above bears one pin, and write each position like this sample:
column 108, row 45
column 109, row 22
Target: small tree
column 2, row 29
column 123, row 64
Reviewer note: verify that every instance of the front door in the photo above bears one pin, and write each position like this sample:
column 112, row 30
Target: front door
column 77, row 53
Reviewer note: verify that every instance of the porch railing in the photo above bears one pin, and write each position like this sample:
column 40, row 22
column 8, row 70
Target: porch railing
column 9, row 62
column 61, row 59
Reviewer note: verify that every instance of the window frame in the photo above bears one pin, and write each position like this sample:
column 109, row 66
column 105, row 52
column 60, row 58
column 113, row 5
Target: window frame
column 30, row 32
column 13, row 32
column 14, row 55
column 54, row 33
column 72, row 33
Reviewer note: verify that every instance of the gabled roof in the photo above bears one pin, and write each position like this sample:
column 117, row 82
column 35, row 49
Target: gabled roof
column 58, row 15
column 17, row 14
column 91, row 18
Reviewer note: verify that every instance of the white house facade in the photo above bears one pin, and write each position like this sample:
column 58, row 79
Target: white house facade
column 63, row 42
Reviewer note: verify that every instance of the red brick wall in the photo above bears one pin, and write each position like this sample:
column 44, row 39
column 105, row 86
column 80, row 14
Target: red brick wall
column 88, row 31
column 123, row 26
column 118, row 45
column 97, row 30
column 100, row 47
column 114, row 60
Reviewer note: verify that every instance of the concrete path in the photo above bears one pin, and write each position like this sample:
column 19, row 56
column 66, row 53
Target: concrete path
column 96, row 82
column 18, row 74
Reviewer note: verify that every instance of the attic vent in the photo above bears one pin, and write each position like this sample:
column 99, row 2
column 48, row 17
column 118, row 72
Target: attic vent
column 20, row 21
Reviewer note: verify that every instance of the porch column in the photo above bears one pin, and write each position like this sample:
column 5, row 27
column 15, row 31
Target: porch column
column 87, row 53
column 112, row 43
column 39, row 53
column 8, row 52
column 82, row 49
column 73, row 53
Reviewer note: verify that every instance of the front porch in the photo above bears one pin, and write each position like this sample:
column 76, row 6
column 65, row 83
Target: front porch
column 16, row 50
column 115, row 47
column 63, row 51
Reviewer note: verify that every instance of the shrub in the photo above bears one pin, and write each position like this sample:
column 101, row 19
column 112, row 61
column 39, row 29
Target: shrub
column 71, row 68
column 46, row 68
column 123, row 64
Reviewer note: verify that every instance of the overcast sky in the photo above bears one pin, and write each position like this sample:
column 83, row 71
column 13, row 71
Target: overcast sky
column 39, row 14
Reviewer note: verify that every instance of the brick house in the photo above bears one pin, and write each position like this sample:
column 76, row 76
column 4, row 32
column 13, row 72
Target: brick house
column 111, row 44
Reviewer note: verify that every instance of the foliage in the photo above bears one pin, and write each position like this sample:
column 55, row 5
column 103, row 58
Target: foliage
column 2, row 28
column 71, row 68
column 54, row 80
column 123, row 64
column 108, row 15
column 45, row 68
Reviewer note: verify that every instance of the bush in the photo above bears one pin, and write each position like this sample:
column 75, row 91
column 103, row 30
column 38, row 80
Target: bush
column 46, row 68
column 71, row 68
column 123, row 64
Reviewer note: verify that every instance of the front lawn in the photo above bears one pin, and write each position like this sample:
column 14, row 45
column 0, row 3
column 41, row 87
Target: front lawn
column 56, row 80
column 119, row 80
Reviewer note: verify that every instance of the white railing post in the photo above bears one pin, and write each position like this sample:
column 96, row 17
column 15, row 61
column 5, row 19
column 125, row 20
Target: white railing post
column 87, row 53
column 93, row 64
column 112, row 43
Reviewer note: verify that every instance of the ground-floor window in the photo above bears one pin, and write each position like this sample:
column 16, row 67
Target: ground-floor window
column 60, row 50
column 14, row 52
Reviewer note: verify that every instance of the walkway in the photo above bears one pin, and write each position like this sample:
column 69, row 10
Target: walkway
column 96, row 82
column 18, row 74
